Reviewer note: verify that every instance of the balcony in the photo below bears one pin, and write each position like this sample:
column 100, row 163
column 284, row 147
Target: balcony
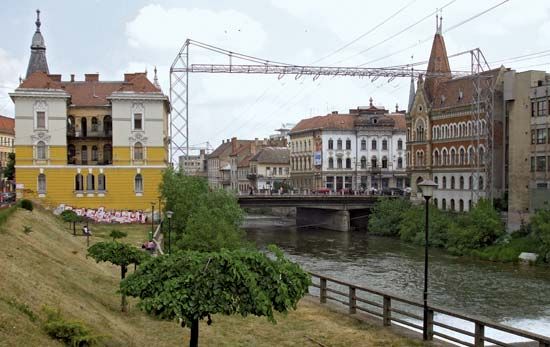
column 88, row 135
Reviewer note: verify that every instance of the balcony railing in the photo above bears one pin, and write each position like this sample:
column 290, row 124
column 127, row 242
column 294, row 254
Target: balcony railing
column 89, row 134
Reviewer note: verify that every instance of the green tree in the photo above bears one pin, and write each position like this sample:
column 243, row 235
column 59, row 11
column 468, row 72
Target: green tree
column 117, row 234
column 540, row 226
column 70, row 216
column 412, row 226
column 214, row 224
column 120, row 254
column 9, row 171
column 191, row 286
column 386, row 216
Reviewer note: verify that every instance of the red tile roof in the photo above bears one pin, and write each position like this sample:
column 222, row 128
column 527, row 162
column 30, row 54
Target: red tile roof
column 7, row 125
column 91, row 93
column 399, row 120
column 328, row 122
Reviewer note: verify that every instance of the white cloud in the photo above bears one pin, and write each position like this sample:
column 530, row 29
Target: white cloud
column 10, row 68
column 156, row 27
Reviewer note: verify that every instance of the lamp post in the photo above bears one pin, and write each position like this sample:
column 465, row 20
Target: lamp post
column 427, row 187
column 152, row 220
column 169, row 214
column 160, row 204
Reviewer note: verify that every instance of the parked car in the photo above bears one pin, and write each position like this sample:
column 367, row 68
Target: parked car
column 323, row 191
column 397, row 191
column 7, row 197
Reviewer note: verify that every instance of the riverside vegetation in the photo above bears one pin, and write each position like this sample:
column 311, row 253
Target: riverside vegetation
column 479, row 233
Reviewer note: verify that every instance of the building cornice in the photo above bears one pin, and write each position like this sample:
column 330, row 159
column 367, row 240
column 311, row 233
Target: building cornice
column 39, row 93
column 137, row 96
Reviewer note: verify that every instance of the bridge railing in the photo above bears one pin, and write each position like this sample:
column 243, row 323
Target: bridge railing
column 408, row 313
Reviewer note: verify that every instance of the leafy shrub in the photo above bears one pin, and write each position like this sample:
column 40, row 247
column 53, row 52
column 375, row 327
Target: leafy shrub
column 540, row 226
column 70, row 332
column 386, row 216
column 117, row 234
column 27, row 229
column 26, row 204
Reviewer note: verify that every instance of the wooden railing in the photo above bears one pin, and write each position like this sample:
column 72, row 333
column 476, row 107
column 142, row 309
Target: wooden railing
column 392, row 308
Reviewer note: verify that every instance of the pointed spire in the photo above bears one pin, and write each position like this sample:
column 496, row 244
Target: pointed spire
column 370, row 101
column 37, row 61
column 412, row 93
column 439, row 69
column 155, row 79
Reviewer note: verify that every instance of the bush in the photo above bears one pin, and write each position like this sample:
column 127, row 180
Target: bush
column 117, row 234
column 72, row 333
column 26, row 204
column 540, row 226
column 6, row 213
column 386, row 216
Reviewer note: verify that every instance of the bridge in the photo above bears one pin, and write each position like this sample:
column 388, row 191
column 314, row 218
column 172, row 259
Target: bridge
column 335, row 212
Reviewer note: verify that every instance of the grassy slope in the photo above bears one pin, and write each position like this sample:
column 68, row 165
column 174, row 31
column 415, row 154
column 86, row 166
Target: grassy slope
column 48, row 266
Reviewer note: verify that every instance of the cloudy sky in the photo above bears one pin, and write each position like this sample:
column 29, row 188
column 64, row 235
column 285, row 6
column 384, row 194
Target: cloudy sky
column 113, row 37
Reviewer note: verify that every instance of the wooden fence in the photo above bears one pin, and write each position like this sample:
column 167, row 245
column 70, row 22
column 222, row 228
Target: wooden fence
column 392, row 308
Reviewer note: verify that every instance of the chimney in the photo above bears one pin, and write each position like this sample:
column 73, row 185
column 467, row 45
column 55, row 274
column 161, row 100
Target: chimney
column 72, row 77
column 223, row 141
column 91, row 77
column 128, row 77
column 56, row 78
column 233, row 144
column 334, row 112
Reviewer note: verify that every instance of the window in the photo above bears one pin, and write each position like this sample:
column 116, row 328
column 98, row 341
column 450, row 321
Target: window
column 363, row 163
column 443, row 204
column 84, row 155
column 453, row 156
column 138, row 121
column 471, row 182
column 339, row 162
column 480, row 184
column 79, row 183
column 42, row 184
column 94, row 153
column 363, row 145
column 462, row 159
column 452, row 182
column 90, row 182
column 399, row 163
column 452, row 204
column 533, row 109
column 384, row 162
column 95, row 126
column 461, row 205
column 384, row 145
column 481, row 155
column 436, row 180
column 348, row 144
column 444, row 182
column 373, row 162
column 107, row 125
column 541, row 136
column 138, row 151
column 107, row 154
column 471, row 156
column 41, row 150
column 330, row 144
column 533, row 137
column 138, row 183
column 348, row 163
column 541, row 163
column 419, row 130
column 373, row 145
column 339, row 144
column 461, row 182
column 400, row 144
column 101, row 182
column 280, row 171
column 330, row 163
column 41, row 120
column 542, row 108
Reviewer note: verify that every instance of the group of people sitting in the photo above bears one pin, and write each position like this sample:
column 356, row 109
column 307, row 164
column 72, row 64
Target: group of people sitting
column 149, row 246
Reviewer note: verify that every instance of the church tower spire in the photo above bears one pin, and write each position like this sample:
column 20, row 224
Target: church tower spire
column 412, row 93
column 37, row 61
column 439, row 69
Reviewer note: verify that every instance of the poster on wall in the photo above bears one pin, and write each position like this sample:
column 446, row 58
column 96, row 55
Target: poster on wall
column 317, row 159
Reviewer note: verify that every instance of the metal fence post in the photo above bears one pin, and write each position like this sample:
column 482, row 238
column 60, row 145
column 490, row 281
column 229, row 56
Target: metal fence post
column 479, row 335
column 323, row 290
column 386, row 314
column 430, row 325
column 352, row 300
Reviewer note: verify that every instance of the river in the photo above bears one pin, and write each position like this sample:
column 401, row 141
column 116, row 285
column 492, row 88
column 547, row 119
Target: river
column 515, row 295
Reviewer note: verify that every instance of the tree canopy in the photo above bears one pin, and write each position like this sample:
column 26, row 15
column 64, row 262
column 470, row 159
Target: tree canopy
column 9, row 170
column 191, row 285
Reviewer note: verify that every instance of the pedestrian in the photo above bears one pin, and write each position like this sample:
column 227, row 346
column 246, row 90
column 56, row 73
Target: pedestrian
column 86, row 231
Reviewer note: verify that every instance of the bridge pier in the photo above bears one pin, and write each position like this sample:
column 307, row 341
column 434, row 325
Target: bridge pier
column 338, row 220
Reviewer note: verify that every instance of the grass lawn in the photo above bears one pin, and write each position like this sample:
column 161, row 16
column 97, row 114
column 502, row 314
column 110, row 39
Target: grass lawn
column 47, row 265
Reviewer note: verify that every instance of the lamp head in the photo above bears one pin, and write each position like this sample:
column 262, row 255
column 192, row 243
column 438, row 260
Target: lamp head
column 427, row 187
column 169, row 214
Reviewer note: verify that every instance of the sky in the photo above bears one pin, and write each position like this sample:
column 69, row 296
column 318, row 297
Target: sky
column 114, row 37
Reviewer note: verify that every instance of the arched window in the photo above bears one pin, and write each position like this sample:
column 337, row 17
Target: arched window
column 384, row 162
column 444, row 157
column 452, row 204
column 348, row 144
column 399, row 163
column 138, row 151
column 330, row 144
column 481, row 154
column 452, row 182
column 339, row 144
column 384, row 145
column 470, row 182
column 462, row 159
column 363, row 163
column 348, row 163
column 84, row 126
column 101, row 182
column 420, row 130
column 373, row 144
column 461, row 205
column 70, row 125
column 138, row 183
column 330, row 163
column 79, row 183
column 399, row 144
column 107, row 154
column 471, row 156
column 480, row 183
column 373, row 162
column 90, row 182
column 444, row 182
column 71, row 153
column 107, row 125
column 42, row 184
column 41, row 150
column 84, row 155
column 339, row 163
column 309, row 163
column 443, row 204
column 436, row 180
column 94, row 153
column 469, row 205
column 363, row 145
column 453, row 156
column 435, row 161
column 461, row 182
column 95, row 126
column 435, row 202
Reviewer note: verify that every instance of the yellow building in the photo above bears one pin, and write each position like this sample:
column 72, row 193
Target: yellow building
column 91, row 143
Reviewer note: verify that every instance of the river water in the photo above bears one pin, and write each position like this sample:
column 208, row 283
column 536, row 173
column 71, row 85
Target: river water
column 515, row 295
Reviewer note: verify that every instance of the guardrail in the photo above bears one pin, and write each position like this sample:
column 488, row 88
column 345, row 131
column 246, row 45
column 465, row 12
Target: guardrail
column 392, row 308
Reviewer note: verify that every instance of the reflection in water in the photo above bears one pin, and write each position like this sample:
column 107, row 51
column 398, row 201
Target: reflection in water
column 513, row 294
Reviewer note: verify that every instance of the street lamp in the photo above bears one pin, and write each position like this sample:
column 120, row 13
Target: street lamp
column 169, row 214
column 427, row 187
